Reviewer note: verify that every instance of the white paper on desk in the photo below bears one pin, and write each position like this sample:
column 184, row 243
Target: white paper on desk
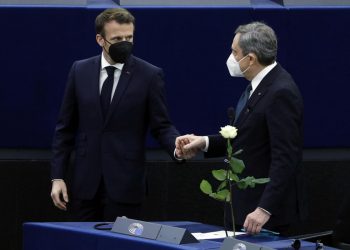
column 214, row 235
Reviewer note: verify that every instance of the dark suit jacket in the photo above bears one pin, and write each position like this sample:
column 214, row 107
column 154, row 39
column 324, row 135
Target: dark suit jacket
column 113, row 148
column 341, row 230
column 270, row 132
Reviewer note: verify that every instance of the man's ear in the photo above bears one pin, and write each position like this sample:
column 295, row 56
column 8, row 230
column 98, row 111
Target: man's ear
column 100, row 40
column 252, row 58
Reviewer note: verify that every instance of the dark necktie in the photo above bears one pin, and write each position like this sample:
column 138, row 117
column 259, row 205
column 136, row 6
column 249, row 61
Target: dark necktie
column 106, row 92
column 243, row 100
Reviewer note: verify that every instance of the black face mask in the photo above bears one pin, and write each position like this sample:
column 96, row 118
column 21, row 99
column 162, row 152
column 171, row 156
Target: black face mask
column 120, row 52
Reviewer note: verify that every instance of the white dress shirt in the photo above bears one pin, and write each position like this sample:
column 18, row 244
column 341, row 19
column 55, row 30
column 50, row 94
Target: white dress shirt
column 104, row 75
column 258, row 78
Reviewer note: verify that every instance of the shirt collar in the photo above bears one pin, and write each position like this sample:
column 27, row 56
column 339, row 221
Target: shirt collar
column 258, row 78
column 105, row 64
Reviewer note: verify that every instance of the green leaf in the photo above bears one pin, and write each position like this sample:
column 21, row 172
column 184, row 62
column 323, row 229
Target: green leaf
column 221, row 186
column 245, row 182
column 216, row 197
column 242, row 185
column 225, row 195
column 206, row 187
column 237, row 165
column 250, row 181
column 220, row 174
column 233, row 177
column 252, row 184
column 221, row 195
column 261, row 180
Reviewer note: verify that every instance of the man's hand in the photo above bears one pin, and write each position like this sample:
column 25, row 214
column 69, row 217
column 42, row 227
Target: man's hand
column 59, row 189
column 187, row 146
column 255, row 221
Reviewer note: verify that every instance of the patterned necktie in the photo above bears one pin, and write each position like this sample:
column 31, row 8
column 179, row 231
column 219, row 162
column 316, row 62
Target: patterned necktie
column 243, row 100
column 106, row 92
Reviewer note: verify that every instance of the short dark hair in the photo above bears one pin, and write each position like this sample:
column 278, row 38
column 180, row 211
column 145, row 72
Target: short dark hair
column 120, row 15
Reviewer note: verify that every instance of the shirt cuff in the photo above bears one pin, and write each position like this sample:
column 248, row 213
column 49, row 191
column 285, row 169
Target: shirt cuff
column 56, row 180
column 265, row 210
column 205, row 149
column 175, row 156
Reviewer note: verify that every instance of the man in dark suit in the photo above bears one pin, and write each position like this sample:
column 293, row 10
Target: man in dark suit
column 269, row 119
column 110, row 102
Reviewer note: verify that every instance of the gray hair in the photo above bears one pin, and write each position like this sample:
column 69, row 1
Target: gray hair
column 260, row 39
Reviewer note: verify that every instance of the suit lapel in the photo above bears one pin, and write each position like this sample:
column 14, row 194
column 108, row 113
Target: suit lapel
column 252, row 102
column 258, row 93
column 93, row 76
column 123, row 83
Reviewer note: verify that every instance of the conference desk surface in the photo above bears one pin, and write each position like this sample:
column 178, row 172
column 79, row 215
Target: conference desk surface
column 82, row 235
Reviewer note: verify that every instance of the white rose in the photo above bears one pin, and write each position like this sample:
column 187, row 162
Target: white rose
column 228, row 132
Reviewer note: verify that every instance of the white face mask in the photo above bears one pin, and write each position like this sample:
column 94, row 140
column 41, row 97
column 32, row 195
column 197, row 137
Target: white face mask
column 233, row 66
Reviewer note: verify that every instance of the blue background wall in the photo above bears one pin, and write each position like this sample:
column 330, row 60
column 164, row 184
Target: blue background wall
column 38, row 46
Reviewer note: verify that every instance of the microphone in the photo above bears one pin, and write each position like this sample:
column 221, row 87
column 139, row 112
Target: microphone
column 231, row 115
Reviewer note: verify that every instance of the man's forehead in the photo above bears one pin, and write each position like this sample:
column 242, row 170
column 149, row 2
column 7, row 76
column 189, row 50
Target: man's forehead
column 119, row 30
column 235, row 43
column 112, row 25
column 236, row 39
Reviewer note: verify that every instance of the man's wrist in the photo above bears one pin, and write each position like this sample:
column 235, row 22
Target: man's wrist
column 265, row 211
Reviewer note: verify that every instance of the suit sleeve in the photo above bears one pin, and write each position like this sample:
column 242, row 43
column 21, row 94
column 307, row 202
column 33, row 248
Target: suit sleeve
column 160, row 125
column 217, row 146
column 65, row 131
column 284, row 121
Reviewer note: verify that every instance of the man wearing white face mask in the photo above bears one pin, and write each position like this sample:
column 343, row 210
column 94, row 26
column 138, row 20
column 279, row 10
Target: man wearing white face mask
column 233, row 66
column 269, row 119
